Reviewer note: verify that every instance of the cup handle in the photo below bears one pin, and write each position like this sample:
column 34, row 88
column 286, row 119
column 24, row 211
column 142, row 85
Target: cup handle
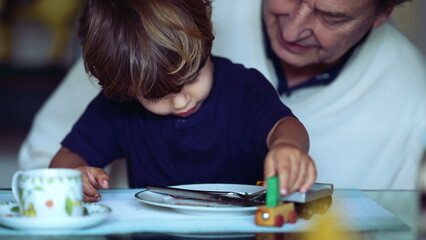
column 15, row 186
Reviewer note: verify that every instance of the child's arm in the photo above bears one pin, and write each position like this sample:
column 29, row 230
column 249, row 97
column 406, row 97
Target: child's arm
column 93, row 177
column 288, row 158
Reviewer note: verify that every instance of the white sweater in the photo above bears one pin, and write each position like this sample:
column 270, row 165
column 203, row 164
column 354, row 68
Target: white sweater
column 367, row 127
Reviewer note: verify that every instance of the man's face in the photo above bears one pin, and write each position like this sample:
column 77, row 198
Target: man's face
column 310, row 32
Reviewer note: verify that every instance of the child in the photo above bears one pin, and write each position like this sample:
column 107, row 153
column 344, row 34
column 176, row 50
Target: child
column 177, row 114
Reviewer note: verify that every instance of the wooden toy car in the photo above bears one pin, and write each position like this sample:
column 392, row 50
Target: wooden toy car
column 275, row 212
column 276, row 216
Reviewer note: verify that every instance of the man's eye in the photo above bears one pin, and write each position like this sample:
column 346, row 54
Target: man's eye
column 334, row 19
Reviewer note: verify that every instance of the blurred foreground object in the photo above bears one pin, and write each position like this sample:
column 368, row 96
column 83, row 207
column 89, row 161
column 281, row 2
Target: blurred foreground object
column 328, row 227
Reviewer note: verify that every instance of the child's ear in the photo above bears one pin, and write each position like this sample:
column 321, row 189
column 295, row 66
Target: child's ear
column 382, row 17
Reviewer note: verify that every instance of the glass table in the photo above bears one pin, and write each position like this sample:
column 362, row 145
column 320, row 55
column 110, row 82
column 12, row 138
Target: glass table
column 404, row 205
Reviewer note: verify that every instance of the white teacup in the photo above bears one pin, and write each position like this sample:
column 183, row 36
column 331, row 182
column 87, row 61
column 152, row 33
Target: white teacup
column 49, row 192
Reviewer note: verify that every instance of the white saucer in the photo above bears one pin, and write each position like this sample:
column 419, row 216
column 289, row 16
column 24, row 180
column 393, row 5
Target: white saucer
column 9, row 217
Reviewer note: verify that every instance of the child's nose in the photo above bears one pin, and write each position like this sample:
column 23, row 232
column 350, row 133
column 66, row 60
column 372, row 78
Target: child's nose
column 180, row 100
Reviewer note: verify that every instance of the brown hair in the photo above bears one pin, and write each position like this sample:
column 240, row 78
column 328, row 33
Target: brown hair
column 146, row 48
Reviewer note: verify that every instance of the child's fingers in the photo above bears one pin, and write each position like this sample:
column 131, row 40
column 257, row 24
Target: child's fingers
column 269, row 168
column 87, row 198
column 295, row 169
column 101, row 178
column 280, row 168
column 90, row 192
column 310, row 178
column 104, row 183
column 294, row 173
column 301, row 177
column 89, row 185
column 284, row 170
column 92, row 179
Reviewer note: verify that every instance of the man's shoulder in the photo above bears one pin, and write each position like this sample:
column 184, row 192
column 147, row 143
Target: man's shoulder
column 387, row 52
column 395, row 45
column 403, row 58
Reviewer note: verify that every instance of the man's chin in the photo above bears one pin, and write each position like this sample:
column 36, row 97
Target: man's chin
column 298, row 62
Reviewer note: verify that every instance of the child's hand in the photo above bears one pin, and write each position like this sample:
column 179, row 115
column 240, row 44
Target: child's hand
column 295, row 169
column 93, row 178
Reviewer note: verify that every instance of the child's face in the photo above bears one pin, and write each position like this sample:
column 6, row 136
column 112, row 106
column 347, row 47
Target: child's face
column 187, row 101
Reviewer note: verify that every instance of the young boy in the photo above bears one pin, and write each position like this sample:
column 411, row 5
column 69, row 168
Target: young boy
column 177, row 114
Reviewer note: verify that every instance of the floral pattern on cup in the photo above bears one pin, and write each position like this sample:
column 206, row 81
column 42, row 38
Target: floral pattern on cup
column 49, row 193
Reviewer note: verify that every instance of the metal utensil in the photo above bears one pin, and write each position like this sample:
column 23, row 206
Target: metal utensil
column 211, row 196
column 317, row 191
column 248, row 196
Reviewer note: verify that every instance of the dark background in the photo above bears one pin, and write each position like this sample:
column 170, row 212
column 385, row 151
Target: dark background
column 30, row 66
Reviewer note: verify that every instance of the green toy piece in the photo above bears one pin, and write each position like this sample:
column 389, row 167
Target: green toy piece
column 273, row 197
column 276, row 212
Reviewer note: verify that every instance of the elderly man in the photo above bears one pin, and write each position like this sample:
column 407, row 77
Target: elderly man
column 356, row 83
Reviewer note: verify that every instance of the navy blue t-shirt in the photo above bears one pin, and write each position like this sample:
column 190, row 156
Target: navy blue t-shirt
column 223, row 142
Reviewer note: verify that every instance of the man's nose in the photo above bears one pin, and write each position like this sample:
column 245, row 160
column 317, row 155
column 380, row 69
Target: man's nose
column 299, row 24
column 180, row 100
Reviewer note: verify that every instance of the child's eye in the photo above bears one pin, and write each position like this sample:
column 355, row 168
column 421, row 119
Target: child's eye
column 152, row 100
column 192, row 80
